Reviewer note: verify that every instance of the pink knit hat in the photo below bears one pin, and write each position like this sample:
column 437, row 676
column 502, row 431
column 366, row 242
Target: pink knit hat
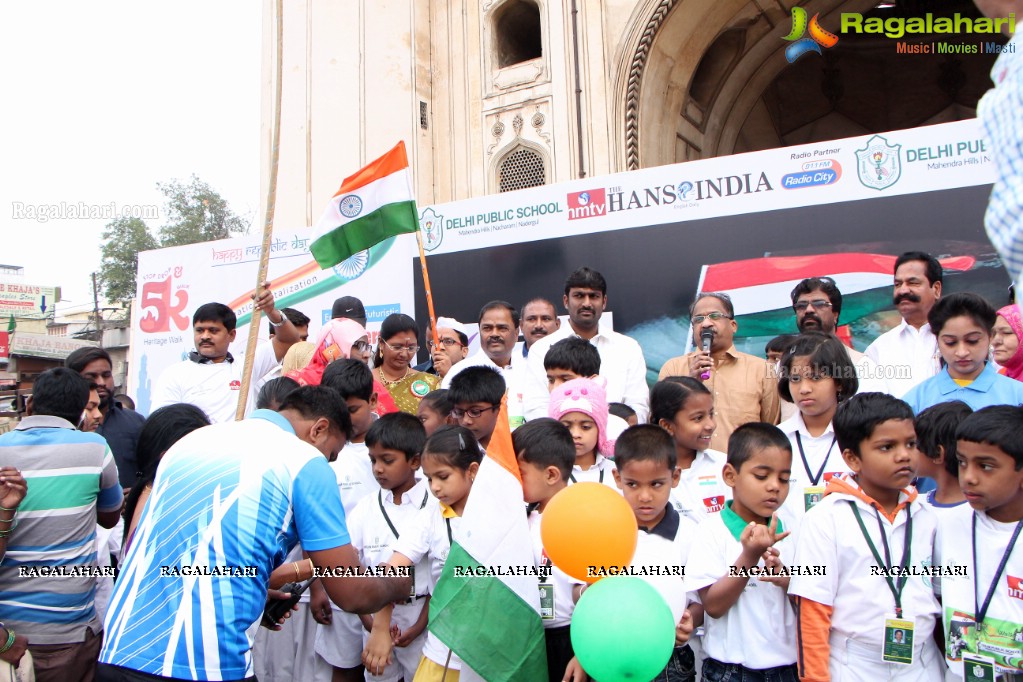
column 589, row 397
column 334, row 342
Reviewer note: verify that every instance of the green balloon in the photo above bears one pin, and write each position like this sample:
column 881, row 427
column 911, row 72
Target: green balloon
column 622, row 630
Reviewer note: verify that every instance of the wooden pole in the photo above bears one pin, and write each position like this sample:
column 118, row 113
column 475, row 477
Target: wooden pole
column 268, row 222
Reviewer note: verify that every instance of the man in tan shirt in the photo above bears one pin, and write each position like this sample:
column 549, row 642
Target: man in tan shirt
column 745, row 388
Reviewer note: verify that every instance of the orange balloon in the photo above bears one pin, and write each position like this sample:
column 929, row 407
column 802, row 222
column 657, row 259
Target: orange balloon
column 588, row 526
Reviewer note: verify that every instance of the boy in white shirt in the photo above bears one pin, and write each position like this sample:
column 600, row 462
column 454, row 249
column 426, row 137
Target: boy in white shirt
column 736, row 547
column 936, row 442
column 870, row 533
column 981, row 586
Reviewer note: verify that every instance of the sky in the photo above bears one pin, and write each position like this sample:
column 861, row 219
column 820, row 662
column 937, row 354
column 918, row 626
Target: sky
column 104, row 100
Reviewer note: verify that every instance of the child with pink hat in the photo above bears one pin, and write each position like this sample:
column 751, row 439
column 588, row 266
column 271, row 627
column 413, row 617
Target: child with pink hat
column 581, row 405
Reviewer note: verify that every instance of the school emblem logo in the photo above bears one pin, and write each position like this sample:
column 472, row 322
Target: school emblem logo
column 714, row 503
column 350, row 206
column 1015, row 587
column 879, row 164
column 432, row 226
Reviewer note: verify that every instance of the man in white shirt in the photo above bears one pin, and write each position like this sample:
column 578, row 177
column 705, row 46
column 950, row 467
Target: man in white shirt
column 908, row 354
column 621, row 358
column 539, row 319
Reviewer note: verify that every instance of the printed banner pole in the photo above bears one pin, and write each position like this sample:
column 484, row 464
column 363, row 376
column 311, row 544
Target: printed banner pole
column 429, row 293
column 271, row 200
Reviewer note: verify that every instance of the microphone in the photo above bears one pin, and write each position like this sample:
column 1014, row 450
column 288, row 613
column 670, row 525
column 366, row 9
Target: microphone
column 706, row 337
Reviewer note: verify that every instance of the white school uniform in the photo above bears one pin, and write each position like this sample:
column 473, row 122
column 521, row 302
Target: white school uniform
column 430, row 536
column 830, row 536
column 374, row 538
column 1001, row 633
column 600, row 472
column 823, row 461
column 701, row 490
column 739, row 636
column 941, row 510
column 561, row 583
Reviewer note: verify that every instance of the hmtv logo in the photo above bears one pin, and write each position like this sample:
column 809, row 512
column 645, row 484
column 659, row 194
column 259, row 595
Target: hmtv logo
column 1015, row 586
column 587, row 204
column 819, row 37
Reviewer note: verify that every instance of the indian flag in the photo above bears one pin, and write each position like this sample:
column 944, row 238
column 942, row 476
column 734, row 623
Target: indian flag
column 492, row 622
column 372, row 205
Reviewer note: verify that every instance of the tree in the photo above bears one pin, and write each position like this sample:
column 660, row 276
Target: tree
column 196, row 213
column 122, row 240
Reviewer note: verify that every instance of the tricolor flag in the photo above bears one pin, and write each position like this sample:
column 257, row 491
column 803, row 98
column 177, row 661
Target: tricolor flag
column 493, row 623
column 372, row 205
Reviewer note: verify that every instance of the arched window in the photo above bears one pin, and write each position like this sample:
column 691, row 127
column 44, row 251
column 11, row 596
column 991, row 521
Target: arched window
column 517, row 28
column 520, row 169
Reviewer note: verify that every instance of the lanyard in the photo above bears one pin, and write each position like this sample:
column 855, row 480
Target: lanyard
column 447, row 522
column 896, row 586
column 806, row 465
column 980, row 610
column 571, row 477
column 380, row 501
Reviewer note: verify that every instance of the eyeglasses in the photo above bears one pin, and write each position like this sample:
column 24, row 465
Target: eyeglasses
column 361, row 346
column 411, row 350
column 444, row 342
column 816, row 304
column 474, row 412
column 714, row 316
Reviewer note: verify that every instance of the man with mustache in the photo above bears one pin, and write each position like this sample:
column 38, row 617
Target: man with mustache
column 539, row 319
column 908, row 354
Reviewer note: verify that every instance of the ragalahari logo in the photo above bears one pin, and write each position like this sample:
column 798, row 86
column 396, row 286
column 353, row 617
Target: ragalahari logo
column 819, row 37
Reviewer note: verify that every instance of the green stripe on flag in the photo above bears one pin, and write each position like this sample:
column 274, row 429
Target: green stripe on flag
column 783, row 320
column 486, row 624
column 387, row 221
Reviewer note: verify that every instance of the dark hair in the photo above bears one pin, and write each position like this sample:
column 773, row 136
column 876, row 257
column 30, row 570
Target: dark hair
column 81, row 357
column 296, row 317
column 586, row 278
column 725, row 299
column 215, row 312
column 399, row 431
column 962, row 304
column 575, row 354
column 60, row 392
column 933, row 271
column 313, row 402
column 349, row 377
column 477, row 385
column 751, row 437
column 393, row 324
column 125, row 400
column 669, row 396
column 455, row 446
column 645, row 442
column 545, row 442
column 857, row 417
column 438, row 401
column 500, row 305
column 936, row 427
column 273, row 392
column 998, row 425
column 621, row 410
column 825, row 284
column 165, row 427
column 779, row 344
column 828, row 358
column 539, row 299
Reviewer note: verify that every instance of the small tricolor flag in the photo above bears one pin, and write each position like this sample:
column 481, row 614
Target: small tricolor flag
column 372, row 205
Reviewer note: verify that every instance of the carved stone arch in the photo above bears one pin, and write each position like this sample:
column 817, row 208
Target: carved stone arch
column 508, row 152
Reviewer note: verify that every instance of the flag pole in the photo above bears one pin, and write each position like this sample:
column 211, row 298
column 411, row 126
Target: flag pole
column 429, row 293
column 271, row 201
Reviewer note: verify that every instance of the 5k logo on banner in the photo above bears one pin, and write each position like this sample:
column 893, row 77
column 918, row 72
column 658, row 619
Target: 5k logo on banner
column 819, row 37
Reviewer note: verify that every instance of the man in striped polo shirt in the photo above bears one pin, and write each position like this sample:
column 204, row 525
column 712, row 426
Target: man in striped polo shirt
column 48, row 577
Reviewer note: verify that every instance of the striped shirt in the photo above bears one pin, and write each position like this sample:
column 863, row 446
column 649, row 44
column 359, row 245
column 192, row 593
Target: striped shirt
column 70, row 476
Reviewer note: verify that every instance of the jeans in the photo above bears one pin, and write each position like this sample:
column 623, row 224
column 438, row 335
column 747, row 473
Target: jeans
column 716, row 671
column 681, row 666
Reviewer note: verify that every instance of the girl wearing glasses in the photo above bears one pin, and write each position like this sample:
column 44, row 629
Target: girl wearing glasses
column 399, row 343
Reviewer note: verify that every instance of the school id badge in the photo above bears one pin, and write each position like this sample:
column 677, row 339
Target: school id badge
column 898, row 640
column 812, row 496
column 546, row 601
column 978, row 668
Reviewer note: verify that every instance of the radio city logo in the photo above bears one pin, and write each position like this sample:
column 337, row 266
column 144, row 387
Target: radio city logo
column 813, row 174
column 819, row 37
column 587, row 204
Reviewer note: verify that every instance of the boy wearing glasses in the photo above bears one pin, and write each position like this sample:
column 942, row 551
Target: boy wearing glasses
column 476, row 394
column 744, row 387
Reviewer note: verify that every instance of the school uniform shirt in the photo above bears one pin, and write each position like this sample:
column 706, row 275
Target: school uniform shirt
column 213, row 387
column 430, row 537
column 562, row 583
column 912, row 352
column 354, row 472
column 1001, row 633
column 666, row 547
column 739, row 636
column 745, row 389
column 858, row 601
column 823, row 461
column 989, row 388
column 621, row 364
column 941, row 510
column 600, row 472
column 701, row 490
